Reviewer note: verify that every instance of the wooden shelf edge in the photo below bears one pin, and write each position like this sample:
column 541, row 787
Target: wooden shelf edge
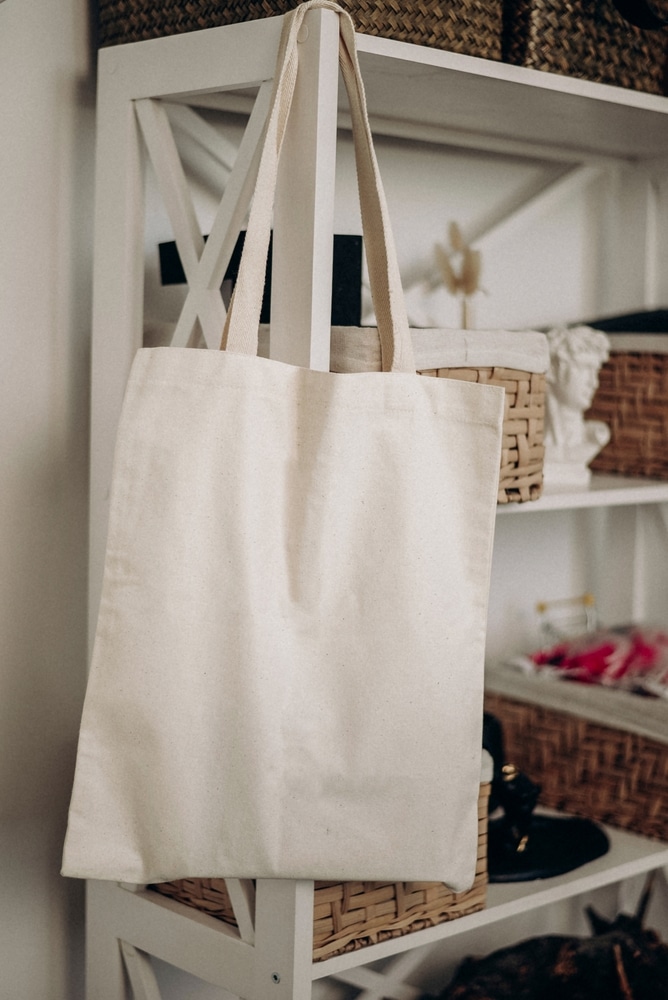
column 629, row 855
column 604, row 491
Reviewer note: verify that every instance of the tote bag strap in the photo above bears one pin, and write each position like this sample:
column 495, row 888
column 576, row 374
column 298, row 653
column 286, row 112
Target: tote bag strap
column 242, row 324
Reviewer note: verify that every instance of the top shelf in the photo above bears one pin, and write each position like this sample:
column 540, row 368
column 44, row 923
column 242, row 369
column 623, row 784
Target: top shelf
column 413, row 91
column 409, row 85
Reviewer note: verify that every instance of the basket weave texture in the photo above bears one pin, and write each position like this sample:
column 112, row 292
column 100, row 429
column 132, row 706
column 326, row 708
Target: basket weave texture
column 348, row 916
column 521, row 474
column 632, row 399
column 472, row 27
column 602, row 773
column 584, row 38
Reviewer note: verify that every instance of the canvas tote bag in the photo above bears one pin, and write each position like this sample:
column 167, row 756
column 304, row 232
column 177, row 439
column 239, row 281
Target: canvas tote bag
column 288, row 666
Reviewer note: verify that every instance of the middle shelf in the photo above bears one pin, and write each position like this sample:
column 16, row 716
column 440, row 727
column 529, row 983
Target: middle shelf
column 604, row 491
column 629, row 855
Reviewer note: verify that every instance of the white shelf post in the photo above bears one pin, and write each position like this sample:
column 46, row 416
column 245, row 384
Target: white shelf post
column 304, row 211
column 118, row 294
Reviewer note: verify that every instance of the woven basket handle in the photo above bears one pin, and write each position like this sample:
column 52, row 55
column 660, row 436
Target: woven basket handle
column 641, row 13
column 241, row 326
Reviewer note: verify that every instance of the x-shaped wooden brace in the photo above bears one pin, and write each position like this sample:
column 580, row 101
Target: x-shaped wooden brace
column 204, row 262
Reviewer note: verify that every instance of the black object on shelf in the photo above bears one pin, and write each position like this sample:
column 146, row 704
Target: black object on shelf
column 650, row 321
column 523, row 845
column 346, row 277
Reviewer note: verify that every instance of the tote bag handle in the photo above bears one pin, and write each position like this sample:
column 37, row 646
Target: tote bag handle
column 242, row 324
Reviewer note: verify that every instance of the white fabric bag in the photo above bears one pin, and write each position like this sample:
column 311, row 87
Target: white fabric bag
column 287, row 673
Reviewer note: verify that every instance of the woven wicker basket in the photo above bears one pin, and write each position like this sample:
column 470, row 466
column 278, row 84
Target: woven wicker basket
column 632, row 399
column 515, row 361
column 351, row 915
column 521, row 475
column 604, row 773
column 472, row 27
column 584, row 38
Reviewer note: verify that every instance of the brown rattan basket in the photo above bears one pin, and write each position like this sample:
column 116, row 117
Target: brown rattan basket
column 472, row 27
column 584, row 38
column 521, row 474
column 351, row 915
column 603, row 773
column 632, row 399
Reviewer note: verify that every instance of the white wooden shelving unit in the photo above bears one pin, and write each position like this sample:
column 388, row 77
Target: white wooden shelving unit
column 415, row 93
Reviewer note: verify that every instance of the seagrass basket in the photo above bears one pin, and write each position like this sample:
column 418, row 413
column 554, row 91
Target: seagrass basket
column 608, row 773
column 522, row 449
column 515, row 361
column 352, row 915
column 472, row 27
column 632, row 399
column 589, row 39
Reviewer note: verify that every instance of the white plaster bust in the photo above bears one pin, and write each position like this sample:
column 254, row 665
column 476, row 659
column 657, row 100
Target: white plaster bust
column 571, row 442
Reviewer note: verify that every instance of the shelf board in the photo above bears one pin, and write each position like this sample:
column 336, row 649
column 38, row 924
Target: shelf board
column 604, row 491
column 629, row 855
column 416, row 85
column 417, row 92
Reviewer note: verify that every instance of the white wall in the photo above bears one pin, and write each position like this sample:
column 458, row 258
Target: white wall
column 46, row 111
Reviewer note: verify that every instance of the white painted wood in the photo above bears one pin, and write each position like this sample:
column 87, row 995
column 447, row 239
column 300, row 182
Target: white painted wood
column 143, row 983
column 188, row 121
column 629, row 855
column 106, row 977
column 604, row 491
column 280, row 965
column 118, row 286
column 549, row 199
column 446, row 88
column 304, row 210
column 435, row 134
column 398, row 971
column 627, row 279
column 420, row 86
column 172, row 183
column 659, row 178
column 649, row 575
column 378, row 985
column 227, row 222
column 283, row 940
column 218, row 59
column 190, row 940
column 242, row 898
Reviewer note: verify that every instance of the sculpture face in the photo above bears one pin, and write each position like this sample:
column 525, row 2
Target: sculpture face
column 571, row 442
column 576, row 380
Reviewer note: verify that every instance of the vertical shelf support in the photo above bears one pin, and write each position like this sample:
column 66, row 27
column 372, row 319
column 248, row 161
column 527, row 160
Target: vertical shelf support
column 283, row 940
column 118, row 293
column 304, row 211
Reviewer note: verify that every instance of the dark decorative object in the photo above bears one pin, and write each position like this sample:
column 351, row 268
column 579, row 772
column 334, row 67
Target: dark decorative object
column 522, row 845
column 620, row 961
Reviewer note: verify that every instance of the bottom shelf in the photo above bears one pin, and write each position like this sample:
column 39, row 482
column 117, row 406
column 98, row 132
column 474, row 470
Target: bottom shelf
column 629, row 855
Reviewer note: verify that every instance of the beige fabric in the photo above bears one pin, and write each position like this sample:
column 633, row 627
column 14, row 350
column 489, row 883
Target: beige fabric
column 287, row 676
column 355, row 349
